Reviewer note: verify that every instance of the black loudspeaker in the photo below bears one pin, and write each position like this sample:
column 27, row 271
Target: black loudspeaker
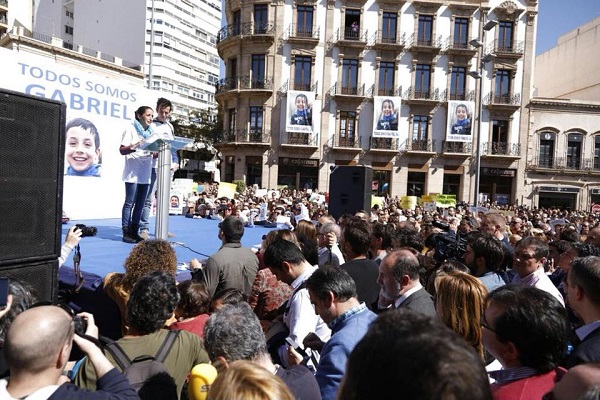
column 32, row 148
column 350, row 190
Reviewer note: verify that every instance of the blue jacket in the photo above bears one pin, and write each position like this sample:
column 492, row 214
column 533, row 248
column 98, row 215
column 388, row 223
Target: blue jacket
column 346, row 331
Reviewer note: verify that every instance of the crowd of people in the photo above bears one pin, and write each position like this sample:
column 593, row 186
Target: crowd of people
column 492, row 302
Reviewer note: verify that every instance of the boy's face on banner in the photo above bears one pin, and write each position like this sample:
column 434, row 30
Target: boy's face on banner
column 81, row 150
column 300, row 104
column 461, row 113
column 387, row 109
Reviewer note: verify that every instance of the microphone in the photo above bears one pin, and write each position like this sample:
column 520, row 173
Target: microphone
column 201, row 377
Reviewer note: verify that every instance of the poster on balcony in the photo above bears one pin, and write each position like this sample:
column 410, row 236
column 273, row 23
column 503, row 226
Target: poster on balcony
column 299, row 111
column 385, row 121
column 460, row 115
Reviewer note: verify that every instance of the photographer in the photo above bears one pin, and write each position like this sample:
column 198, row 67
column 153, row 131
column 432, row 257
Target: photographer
column 71, row 241
column 37, row 348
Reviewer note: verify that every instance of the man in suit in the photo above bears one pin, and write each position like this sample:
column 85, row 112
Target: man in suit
column 400, row 286
column 582, row 288
column 356, row 239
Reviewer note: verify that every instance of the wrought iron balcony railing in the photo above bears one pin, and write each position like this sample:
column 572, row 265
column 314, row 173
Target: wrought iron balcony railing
column 384, row 37
column 503, row 99
column 352, row 90
column 426, row 145
column 506, row 47
column 258, row 136
column 391, row 144
column 249, row 82
column 246, row 29
column 468, row 96
column 348, row 142
column 501, row 149
column 300, row 139
column 302, row 32
column 422, row 93
column 457, row 147
column 432, row 41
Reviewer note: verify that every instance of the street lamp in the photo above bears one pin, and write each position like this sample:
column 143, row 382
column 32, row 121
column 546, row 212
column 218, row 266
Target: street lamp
column 483, row 59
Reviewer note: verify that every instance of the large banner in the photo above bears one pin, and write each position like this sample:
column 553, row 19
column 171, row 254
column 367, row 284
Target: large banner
column 386, row 114
column 460, row 116
column 299, row 117
column 98, row 110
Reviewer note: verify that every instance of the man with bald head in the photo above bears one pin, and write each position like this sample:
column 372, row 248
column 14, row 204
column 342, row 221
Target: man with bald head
column 37, row 348
column 400, row 286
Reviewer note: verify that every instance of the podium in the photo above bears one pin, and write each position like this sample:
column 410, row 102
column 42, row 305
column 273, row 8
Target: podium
column 163, row 144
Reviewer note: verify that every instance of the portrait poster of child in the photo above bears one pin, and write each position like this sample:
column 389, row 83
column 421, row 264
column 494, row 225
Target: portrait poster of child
column 299, row 111
column 460, row 115
column 386, row 112
column 82, row 150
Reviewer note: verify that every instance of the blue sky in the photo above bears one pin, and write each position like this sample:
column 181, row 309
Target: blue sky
column 557, row 17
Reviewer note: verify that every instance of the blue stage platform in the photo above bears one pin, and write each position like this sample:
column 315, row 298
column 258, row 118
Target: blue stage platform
column 106, row 253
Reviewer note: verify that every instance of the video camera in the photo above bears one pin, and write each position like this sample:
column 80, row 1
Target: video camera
column 449, row 247
column 87, row 230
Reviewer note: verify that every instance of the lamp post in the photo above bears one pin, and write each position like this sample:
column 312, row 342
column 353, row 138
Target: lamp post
column 483, row 59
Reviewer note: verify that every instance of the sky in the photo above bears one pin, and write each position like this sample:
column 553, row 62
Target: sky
column 557, row 17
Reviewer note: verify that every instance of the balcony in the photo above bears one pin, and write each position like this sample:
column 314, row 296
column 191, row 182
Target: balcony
column 397, row 92
column 459, row 47
column 420, row 44
column 501, row 150
column 384, row 145
column 348, row 37
column 468, row 96
column 255, row 137
column 351, row 93
column 388, row 41
column 299, row 140
column 302, row 34
column 420, row 146
column 457, row 149
column 512, row 50
column 351, row 144
column 246, row 84
column 565, row 164
column 423, row 96
column 4, row 4
column 259, row 29
column 503, row 102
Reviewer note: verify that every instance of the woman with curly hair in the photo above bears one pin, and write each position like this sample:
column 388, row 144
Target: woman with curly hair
column 145, row 257
column 460, row 300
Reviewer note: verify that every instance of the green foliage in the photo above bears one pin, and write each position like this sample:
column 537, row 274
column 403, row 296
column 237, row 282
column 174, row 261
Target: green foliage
column 201, row 125
column 240, row 185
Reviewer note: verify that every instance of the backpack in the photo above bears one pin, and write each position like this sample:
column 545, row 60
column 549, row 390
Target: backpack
column 147, row 374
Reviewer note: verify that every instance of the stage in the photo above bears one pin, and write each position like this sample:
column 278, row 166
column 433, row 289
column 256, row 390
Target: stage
column 106, row 252
column 194, row 238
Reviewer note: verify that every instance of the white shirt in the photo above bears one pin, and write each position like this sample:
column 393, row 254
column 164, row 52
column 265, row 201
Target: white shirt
column 406, row 294
column 583, row 331
column 540, row 280
column 138, row 165
column 40, row 394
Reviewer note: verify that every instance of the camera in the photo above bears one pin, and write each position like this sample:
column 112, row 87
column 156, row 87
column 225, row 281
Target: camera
column 80, row 325
column 87, row 230
column 450, row 248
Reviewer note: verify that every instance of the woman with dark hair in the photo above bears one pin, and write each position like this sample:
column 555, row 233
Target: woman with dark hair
column 137, row 172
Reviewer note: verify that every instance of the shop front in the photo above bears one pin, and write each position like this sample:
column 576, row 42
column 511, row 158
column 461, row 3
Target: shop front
column 495, row 184
column 299, row 173
column 558, row 196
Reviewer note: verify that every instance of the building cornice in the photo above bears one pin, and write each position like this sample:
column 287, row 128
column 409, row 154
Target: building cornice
column 564, row 105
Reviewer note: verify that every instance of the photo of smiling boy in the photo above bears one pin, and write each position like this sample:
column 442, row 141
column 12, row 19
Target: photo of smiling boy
column 462, row 124
column 82, row 152
column 302, row 115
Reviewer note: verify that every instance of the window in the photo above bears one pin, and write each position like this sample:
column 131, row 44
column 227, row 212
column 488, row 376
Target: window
column 386, row 79
column 256, row 120
column 302, row 73
column 389, row 25
column 425, row 32
column 233, row 68
column 350, row 77
column 420, row 128
column 574, row 151
column 304, row 25
column 232, row 116
column 505, row 36
column 500, row 143
column 347, row 129
column 502, row 88
column 237, row 22
column 457, row 83
column 597, row 152
column 352, row 25
column 422, row 81
column 258, row 71
column 261, row 16
column 69, row 14
column 546, row 154
column 415, row 184
column 68, row 30
column 451, row 184
column 461, row 33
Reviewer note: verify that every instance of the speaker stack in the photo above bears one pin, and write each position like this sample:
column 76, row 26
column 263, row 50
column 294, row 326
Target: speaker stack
column 350, row 190
column 32, row 148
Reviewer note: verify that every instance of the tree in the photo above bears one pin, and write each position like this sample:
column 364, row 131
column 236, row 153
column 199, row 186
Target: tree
column 201, row 125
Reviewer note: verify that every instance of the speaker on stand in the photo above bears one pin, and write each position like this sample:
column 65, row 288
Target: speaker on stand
column 350, row 190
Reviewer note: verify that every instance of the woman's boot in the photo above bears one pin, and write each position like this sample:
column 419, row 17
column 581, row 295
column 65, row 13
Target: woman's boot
column 127, row 236
column 133, row 233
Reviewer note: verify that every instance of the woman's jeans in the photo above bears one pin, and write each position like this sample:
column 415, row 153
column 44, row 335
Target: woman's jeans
column 135, row 197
